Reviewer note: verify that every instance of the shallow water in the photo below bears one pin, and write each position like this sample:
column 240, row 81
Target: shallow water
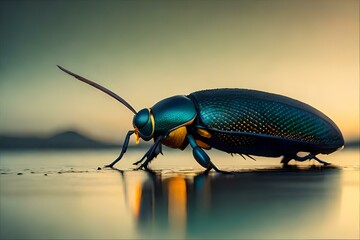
column 61, row 194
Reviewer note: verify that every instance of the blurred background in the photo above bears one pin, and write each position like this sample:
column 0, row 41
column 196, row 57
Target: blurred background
column 148, row 50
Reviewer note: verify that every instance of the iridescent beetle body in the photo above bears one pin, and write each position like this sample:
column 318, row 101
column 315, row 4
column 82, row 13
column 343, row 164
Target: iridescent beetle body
column 246, row 122
column 263, row 124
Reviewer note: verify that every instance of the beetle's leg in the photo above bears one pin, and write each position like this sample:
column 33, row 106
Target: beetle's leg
column 123, row 150
column 321, row 161
column 158, row 150
column 309, row 157
column 151, row 154
column 200, row 156
column 250, row 157
column 286, row 159
column 145, row 155
column 206, row 172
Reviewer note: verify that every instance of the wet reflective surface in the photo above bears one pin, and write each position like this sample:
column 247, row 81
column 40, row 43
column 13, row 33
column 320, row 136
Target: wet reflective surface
column 63, row 195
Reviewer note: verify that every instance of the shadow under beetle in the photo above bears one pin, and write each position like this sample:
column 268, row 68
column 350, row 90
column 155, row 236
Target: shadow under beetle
column 242, row 121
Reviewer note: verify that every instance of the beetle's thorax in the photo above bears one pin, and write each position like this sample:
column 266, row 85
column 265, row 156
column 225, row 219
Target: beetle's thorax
column 171, row 118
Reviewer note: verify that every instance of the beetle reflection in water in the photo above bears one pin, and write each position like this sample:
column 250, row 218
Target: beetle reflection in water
column 273, row 203
column 246, row 122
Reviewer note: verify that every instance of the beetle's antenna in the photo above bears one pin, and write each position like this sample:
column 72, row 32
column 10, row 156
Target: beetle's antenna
column 101, row 88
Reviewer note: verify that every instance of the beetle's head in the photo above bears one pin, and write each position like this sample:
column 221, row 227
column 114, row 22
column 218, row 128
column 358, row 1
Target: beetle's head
column 144, row 125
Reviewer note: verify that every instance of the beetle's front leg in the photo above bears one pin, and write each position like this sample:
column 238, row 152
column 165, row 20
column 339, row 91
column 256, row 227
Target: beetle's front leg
column 150, row 154
column 142, row 159
column 200, row 156
column 156, row 152
column 123, row 150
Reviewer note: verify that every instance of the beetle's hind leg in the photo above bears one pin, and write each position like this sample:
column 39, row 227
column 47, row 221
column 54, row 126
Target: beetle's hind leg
column 321, row 161
column 286, row 159
column 310, row 156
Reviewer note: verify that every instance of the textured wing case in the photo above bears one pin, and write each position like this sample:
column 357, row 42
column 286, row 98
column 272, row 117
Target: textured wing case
column 241, row 120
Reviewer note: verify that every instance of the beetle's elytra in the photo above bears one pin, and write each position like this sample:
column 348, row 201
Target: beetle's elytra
column 242, row 121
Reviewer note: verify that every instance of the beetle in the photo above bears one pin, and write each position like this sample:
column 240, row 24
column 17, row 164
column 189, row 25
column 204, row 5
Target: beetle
column 236, row 121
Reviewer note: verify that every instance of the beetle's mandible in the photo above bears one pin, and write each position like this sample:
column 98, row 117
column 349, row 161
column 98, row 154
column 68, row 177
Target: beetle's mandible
column 242, row 121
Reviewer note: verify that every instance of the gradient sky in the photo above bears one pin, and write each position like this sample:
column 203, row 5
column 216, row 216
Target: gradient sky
column 148, row 50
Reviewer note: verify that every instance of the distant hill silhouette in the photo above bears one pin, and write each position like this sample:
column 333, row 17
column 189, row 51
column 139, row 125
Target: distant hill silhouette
column 75, row 140
column 354, row 143
column 63, row 140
